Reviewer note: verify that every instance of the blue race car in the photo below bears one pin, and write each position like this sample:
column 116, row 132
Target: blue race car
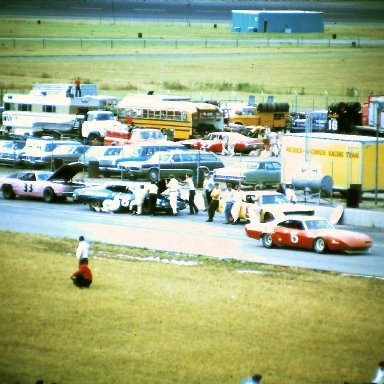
column 120, row 197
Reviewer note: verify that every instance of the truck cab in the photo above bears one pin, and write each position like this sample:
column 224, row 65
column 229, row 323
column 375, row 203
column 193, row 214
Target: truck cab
column 95, row 125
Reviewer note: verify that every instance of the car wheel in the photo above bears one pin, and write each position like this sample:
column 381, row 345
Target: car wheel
column 94, row 139
column 267, row 241
column 153, row 175
column 319, row 245
column 94, row 205
column 268, row 216
column 49, row 195
column 8, row 193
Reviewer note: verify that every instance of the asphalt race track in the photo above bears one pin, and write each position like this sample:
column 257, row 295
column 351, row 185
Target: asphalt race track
column 189, row 10
column 183, row 233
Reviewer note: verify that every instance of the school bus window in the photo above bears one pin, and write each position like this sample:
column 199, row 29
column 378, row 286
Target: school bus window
column 145, row 114
column 49, row 108
column 171, row 115
column 157, row 114
column 185, row 116
column 178, row 115
column 163, row 115
column 24, row 107
column 139, row 113
column 151, row 113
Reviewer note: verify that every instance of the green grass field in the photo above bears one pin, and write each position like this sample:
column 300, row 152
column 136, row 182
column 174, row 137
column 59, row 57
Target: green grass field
column 161, row 322
column 298, row 75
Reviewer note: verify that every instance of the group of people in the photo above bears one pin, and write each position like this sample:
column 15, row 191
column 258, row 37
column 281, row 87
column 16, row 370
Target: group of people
column 77, row 85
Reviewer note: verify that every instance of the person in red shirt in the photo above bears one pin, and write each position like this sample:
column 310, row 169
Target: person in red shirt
column 77, row 88
column 82, row 278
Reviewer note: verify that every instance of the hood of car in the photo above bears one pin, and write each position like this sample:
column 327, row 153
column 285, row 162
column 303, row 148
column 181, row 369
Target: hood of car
column 67, row 172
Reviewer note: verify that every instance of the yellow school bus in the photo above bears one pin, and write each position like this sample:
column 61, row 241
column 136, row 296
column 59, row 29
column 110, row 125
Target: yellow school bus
column 185, row 118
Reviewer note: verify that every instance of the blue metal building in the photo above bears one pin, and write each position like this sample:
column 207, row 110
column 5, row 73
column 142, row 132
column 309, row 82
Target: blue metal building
column 277, row 21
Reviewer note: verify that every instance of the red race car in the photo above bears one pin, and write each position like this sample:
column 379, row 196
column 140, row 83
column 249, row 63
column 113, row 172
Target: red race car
column 213, row 142
column 308, row 232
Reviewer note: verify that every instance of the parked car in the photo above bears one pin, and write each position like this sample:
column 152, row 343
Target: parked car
column 68, row 153
column 262, row 172
column 97, row 153
column 11, row 152
column 271, row 205
column 314, row 233
column 109, row 165
column 123, row 194
column 177, row 162
column 50, row 186
column 39, row 152
column 126, row 135
column 213, row 142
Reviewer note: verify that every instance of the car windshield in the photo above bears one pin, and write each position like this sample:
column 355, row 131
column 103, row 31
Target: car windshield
column 43, row 176
column 274, row 199
column 159, row 157
column 61, row 149
column 318, row 224
column 105, row 116
column 252, row 166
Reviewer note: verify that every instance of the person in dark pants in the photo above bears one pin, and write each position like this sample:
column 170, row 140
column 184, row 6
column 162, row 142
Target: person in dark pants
column 192, row 193
column 77, row 88
column 152, row 197
column 82, row 278
column 214, row 204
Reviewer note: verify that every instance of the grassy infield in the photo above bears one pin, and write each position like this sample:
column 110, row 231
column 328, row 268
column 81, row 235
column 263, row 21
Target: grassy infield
column 336, row 70
column 164, row 323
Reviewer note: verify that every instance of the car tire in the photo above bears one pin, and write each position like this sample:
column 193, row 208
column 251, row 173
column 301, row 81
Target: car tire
column 267, row 241
column 8, row 192
column 94, row 205
column 49, row 195
column 94, row 139
column 268, row 216
column 153, row 175
column 320, row 245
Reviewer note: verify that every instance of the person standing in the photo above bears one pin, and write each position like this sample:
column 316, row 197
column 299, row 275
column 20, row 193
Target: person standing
column 174, row 190
column 238, row 198
column 214, row 204
column 255, row 209
column 140, row 194
column 281, row 188
column 82, row 278
column 379, row 376
column 152, row 197
column 192, row 193
column 228, row 197
column 83, row 250
column 77, row 87
column 208, row 185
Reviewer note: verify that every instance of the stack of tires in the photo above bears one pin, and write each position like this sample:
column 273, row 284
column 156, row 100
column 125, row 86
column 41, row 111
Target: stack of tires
column 348, row 116
column 272, row 107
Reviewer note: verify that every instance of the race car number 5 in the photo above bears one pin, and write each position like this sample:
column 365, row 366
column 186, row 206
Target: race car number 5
column 294, row 239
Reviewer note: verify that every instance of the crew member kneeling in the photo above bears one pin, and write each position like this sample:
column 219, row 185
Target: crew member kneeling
column 82, row 278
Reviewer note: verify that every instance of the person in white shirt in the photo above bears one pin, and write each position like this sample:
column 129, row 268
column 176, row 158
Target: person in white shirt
column 238, row 198
column 290, row 194
column 228, row 196
column 174, row 190
column 83, row 250
column 140, row 194
column 192, row 193
column 208, row 185
column 379, row 376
